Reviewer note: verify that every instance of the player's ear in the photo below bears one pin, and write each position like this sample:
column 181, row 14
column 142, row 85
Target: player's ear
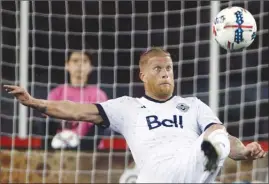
column 142, row 76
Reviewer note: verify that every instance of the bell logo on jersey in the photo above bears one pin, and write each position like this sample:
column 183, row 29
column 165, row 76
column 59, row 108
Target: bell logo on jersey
column 154, row 122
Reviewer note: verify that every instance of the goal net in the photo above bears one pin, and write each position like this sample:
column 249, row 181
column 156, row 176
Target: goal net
column 116, row 33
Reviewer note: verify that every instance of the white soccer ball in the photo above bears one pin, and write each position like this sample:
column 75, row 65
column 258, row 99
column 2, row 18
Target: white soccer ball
column 234, row 28
column 65, row 139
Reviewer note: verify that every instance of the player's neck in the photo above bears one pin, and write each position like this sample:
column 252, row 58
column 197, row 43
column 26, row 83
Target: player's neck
column 158, row 98
column 78, row 81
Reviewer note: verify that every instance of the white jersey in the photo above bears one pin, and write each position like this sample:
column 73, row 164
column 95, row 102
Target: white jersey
column 156, row 130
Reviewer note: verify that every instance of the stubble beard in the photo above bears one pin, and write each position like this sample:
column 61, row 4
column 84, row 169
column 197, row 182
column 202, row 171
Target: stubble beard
column 160, row 91
column 165, row 91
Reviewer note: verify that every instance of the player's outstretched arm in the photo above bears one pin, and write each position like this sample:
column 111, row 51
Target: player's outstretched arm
column 66, row 110
column 239, row 151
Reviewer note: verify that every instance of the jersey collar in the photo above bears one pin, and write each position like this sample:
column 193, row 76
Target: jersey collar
column 157, row 101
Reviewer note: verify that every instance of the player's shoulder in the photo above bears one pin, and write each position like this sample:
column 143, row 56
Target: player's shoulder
column 122, row 102
column 56, row 92
column 94, row 88
column 190, row 100
column 126, row 101
column 57, row 88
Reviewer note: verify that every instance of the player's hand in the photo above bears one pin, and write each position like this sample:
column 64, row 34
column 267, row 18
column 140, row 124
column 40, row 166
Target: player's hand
column 21, row 94
column 253, row 151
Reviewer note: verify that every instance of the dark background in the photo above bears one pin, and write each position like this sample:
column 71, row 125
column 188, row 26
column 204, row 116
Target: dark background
column 116, row 33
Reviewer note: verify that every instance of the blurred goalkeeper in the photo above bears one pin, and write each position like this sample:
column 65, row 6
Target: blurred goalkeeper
column 79, row 67
column 172, row 139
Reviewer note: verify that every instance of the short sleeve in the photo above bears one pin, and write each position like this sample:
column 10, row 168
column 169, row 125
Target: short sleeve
column 113, row 113
column 54, row 94
column 206, row 116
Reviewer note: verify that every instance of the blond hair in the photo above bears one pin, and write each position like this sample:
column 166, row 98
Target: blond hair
column 154, row 51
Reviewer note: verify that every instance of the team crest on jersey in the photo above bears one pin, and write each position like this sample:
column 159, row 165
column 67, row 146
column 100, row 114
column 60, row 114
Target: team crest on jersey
column 183, row 107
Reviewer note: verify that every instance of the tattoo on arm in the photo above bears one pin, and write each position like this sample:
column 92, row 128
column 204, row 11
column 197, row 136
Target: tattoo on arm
column 40, row 106
column 41, row 109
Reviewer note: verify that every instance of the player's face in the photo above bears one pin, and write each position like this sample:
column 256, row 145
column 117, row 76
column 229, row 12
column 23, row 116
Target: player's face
column 79, row 65
column 159, row 77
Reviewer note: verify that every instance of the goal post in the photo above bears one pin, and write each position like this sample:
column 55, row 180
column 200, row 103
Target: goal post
column 214, row 63
column 24, row 42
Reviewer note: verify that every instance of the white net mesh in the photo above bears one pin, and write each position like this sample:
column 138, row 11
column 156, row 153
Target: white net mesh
column 117, row 33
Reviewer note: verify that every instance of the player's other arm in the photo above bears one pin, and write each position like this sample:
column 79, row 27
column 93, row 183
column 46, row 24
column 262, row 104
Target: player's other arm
column 217, row 133
column 66, row 110
column 239, row 151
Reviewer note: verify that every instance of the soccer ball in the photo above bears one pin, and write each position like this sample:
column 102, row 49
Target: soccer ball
column 234, row 28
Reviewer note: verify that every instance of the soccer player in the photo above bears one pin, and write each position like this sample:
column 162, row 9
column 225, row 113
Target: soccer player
column 172, row 139
column 79, row 66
